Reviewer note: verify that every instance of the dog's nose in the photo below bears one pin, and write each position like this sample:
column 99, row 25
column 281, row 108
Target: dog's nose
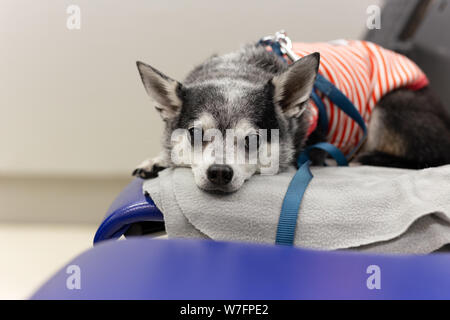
column 220, row 174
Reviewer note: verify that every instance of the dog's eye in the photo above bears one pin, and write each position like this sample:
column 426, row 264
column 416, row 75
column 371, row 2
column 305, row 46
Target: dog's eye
column 195, row 134
column 252, row 141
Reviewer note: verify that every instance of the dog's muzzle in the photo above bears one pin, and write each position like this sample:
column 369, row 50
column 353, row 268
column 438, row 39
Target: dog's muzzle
column 220, row 174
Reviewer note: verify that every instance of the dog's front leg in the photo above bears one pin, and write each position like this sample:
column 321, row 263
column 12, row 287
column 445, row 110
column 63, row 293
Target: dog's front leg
column 150, row 167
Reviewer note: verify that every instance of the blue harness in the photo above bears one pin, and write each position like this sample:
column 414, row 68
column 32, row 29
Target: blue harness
column 297, row 187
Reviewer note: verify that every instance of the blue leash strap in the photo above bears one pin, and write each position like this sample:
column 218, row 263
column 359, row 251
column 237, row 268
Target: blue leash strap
column 291, row 204
column 292, row 200
column 343, row 103
column 323, row 117
column 332, row 150
column 287, row 222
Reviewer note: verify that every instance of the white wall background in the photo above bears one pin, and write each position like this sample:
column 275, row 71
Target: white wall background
column 71, row 102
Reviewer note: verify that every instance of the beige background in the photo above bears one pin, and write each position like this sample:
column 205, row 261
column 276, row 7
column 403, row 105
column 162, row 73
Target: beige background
column 75, row 118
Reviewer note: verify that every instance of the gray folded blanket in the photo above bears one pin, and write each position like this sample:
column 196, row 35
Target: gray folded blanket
column 365, row 208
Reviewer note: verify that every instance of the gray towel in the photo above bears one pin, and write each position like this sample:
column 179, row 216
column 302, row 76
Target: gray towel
column 364, row 208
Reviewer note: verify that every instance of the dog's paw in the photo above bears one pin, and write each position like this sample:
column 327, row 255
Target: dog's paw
column 148, row 169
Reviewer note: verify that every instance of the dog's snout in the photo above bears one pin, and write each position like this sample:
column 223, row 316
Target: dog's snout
column 220, row 174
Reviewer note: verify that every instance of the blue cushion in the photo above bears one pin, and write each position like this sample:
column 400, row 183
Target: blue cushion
column 129, row 207
column 144, row 268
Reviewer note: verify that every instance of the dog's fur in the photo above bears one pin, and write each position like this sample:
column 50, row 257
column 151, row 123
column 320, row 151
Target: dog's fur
column 253, row 89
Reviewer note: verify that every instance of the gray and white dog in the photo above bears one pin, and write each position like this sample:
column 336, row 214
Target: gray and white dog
column 253, row 89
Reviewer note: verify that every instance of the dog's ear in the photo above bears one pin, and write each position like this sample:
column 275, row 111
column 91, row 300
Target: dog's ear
column 162, row 89
column 294, row 86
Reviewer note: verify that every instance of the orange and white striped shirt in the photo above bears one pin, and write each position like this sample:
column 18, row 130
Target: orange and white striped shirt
column 364, row 72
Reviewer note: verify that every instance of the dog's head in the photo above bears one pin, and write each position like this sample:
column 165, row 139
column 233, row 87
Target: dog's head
column 227, row 126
